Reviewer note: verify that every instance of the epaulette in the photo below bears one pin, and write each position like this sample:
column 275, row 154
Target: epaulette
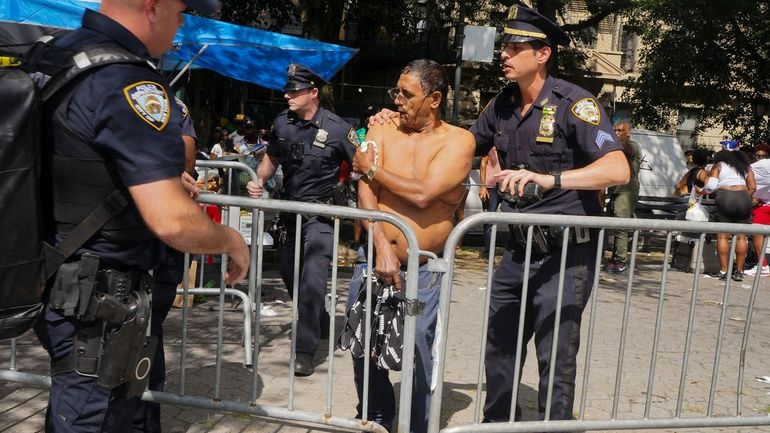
column 333, row 117
column 564, row 90
column 571, row 92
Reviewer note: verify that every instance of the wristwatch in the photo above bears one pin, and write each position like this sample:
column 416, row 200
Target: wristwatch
column 371, row 172
column 556, row 179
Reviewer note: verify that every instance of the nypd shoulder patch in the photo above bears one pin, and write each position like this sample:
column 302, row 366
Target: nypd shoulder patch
column 353, row 137
column 602, row 138
column 587, row 110
column 149, row 101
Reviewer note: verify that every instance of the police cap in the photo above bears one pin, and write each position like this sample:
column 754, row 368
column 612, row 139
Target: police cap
column 203, row 7
column 527, row 25
column 302, row 77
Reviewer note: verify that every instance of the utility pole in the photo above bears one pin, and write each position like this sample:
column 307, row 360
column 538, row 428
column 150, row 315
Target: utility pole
column 459, row 37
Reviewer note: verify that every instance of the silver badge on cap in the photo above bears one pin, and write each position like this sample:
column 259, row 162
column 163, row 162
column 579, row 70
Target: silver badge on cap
column 292, row 69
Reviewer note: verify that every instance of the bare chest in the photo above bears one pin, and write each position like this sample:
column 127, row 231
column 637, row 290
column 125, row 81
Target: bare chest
column 410, row 157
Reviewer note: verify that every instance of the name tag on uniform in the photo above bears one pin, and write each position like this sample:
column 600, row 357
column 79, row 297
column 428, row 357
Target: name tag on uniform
column 320, row 138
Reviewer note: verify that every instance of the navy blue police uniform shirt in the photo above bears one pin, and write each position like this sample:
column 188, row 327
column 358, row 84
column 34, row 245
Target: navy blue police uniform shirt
column 325, row 140
column 127, row 113
column 565, row 128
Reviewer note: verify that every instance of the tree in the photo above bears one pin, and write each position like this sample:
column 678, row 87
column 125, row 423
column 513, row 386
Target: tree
column 707, row 56
column 569, row 61
column 263, row 14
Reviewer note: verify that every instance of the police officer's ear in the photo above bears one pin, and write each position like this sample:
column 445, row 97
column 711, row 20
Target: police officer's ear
column 542, row 52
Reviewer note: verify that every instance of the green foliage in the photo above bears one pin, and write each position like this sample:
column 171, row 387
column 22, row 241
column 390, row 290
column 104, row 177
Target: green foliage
column 264, row 14
column 712, row 56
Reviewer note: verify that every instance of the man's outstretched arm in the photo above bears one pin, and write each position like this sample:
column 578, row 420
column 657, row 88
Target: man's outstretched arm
column 179, row 222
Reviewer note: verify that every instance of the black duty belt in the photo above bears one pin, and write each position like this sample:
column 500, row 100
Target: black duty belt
column 546, row 238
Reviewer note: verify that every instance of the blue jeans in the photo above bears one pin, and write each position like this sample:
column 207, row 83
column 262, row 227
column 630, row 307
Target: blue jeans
column 382, row 401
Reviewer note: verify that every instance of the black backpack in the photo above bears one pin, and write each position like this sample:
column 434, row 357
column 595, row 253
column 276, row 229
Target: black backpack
column 26, row 260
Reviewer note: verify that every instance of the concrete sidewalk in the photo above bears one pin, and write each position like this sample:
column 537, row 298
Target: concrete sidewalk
column 22, row 408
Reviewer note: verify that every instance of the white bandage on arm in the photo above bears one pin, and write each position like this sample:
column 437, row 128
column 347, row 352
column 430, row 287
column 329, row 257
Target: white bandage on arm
column 711, row 185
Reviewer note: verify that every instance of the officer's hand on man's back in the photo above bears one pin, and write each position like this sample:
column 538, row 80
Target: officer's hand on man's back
column 382, row 117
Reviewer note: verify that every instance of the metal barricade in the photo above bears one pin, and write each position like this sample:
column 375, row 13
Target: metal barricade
column 250, row 404
column 669, row 347
column 232, row 167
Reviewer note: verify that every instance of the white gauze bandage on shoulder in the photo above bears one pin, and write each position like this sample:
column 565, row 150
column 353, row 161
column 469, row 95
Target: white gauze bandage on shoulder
column 364, row 147
column 711, row 185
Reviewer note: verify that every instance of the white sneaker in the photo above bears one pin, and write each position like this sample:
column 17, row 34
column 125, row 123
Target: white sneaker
column 765, row 271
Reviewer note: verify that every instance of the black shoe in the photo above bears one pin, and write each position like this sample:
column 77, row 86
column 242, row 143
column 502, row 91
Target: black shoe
column 303, row 364
column 722, row 275
column 737, row 276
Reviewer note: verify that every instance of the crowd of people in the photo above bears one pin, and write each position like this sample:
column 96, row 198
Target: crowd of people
column 539, row 130
column 738, row 180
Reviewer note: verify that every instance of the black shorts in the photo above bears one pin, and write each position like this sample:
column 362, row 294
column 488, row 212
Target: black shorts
column 733, row 207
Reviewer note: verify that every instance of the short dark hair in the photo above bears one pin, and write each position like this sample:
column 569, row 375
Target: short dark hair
column 432, row 76
column 699, row 156
column 763, row 147
column 536, row 45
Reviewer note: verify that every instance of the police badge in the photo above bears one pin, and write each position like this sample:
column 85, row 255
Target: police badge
column 547, row 124
column 512, row 12
column 292, row 70
column 320, row 138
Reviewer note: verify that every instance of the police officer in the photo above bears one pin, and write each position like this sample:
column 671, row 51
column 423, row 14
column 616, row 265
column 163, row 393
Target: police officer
column 309, row 142
column 560, row 139
column 117, row 130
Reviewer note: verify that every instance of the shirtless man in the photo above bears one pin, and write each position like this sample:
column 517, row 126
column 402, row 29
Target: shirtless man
column 421, row 165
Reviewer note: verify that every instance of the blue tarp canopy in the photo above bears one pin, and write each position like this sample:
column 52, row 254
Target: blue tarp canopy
column 243, row 53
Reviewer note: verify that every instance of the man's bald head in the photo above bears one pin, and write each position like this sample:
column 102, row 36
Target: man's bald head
column 153, row 22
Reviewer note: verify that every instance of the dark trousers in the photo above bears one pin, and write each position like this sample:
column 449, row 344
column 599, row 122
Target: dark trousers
column 315, row 243
column 506, row 298
column 78, row 403
column 492, row 205
column 167, row 277
column 382, row 400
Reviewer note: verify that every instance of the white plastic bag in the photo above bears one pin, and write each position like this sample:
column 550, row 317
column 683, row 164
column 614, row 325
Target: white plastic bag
column 697, row 212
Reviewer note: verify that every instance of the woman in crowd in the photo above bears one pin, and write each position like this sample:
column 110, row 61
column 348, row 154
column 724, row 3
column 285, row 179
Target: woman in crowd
column 761, row 215
column 733, row 181
column 696, row 176
column 218, row 142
